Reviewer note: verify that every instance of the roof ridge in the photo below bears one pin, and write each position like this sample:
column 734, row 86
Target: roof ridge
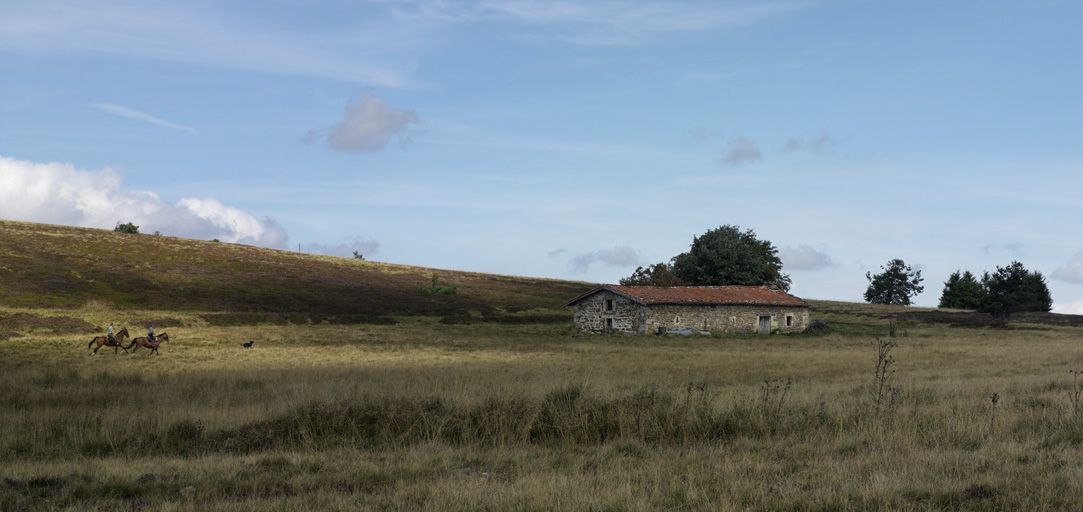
column 734, row 295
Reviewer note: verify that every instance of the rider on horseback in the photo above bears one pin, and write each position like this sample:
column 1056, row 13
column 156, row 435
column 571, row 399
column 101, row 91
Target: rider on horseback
column 112, row 338
column 150, row 334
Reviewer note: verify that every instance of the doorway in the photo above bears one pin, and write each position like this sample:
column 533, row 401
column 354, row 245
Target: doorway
column 765, row 324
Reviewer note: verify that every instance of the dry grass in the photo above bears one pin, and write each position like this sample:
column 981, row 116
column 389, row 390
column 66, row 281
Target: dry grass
column 361, row 393
column 529, row 417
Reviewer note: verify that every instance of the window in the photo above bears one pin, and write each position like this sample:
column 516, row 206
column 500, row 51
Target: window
column 609, row 324
column 789, row 320
column 609, row 305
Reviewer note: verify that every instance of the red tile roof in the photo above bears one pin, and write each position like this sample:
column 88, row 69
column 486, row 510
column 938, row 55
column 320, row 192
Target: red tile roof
column 700, row 295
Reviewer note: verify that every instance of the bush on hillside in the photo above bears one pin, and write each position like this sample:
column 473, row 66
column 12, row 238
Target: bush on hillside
column 126, row 228
column 439, row 289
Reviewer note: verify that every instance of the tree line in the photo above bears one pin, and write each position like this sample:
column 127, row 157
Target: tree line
column 729, row 256
column 1008, row 290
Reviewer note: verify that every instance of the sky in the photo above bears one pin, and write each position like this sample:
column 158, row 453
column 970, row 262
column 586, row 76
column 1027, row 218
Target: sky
column 569, row 139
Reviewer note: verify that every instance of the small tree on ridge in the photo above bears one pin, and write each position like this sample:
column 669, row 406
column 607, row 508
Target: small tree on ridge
column 895, row 285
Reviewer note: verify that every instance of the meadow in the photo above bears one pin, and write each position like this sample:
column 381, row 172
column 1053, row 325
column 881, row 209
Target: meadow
column 422, row 415
column 363, row 391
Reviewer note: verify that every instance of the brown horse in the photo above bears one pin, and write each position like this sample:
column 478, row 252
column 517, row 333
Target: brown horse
column 104, row 341
column 144, row 342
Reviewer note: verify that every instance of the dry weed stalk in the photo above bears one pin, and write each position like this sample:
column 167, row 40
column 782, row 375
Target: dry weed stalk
column 773, row 387
column 1076, row 393
column 883, row 393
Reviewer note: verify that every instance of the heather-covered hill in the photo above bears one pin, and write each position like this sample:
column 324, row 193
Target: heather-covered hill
column 53, row 266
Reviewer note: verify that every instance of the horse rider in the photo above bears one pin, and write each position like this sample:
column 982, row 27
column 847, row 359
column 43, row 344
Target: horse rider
column 112, row 339
column 150, row 334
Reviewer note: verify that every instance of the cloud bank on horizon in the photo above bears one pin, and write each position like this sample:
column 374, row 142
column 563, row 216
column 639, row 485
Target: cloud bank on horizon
column 55, row 193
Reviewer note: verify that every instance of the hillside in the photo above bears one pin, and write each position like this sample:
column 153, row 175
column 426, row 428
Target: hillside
column 49, row 266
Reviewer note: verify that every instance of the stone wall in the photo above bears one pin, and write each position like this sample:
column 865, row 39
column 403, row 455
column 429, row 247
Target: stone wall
column 726, row 318
column 606, row 311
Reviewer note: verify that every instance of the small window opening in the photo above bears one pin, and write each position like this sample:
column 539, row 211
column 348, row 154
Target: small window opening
column 609, row 324
column 609, row 304
column 789, row 320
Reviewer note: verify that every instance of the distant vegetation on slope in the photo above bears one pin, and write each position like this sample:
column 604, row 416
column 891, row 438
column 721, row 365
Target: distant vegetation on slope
column 62, row 267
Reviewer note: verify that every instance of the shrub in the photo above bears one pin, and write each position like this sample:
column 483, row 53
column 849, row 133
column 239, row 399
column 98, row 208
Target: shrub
column 439, row 289
column 126, row 228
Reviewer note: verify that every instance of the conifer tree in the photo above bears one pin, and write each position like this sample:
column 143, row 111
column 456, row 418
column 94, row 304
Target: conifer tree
column 962, row 291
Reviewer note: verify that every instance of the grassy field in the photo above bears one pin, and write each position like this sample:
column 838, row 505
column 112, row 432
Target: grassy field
column 361, row 392
column 422, row 415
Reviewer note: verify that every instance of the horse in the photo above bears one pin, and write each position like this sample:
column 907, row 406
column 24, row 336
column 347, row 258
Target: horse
column 142, row 341
column 104, row 341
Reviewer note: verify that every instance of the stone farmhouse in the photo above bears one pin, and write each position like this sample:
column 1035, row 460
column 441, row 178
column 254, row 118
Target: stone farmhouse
column 654, row 309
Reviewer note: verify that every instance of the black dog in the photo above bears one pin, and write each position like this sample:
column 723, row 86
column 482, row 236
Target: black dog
column 247, row 345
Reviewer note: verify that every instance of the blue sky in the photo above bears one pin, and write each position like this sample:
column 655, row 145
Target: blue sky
column 566, row 139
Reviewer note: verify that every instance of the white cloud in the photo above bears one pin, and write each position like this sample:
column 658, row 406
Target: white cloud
column 139, row 116
column 1072, row 272
column 804, row 257
column 623, row 256
column 369, row 125
column 742, row 151
column 1070, row 308
column 620, row 256
column 364, row 247
column 56, row 193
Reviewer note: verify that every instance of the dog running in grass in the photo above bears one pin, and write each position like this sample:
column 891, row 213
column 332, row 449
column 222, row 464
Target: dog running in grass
column 247, row 345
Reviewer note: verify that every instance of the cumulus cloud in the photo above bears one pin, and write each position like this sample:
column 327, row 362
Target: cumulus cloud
column 623, row 256
column 140, row 116
column 369, row 125
column 804, row 257
column 57, row 193
column 742, row 151
column 364, row 247
column 1072, row 272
